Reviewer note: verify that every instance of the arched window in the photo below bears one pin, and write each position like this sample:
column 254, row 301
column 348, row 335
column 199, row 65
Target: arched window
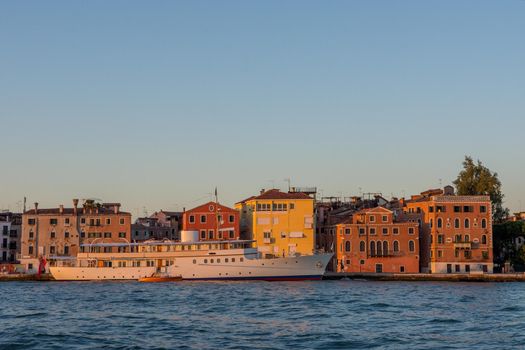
column 439, row 223
column 483, row 223
column 467, row 238
column 396, row 246
column 456, row 223
column 411, row 246
column 484, row 239
column 467, row 223
column 431, row 223
column 362, row 246
column 372, row 248
column 379, row 248
column 385, row 248
column 347, row 246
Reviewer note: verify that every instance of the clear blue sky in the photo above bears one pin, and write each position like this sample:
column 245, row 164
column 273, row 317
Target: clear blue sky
column 155, row 103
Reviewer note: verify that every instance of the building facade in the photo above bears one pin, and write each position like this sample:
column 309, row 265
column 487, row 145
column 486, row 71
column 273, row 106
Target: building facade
column 281, row 223
column 60, row 232
column 456, row 231
column 151, row 228
column 10, row 233
column 377, row 240
column 213, row 221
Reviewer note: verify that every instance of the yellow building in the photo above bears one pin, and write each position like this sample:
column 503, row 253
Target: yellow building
column 281, row 223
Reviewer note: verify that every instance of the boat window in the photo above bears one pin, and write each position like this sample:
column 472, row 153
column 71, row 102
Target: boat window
column 211, row 261
column 233, row 259
column 226, row 260
column 205, row 261
column 194, row 261
column 218, row 260
column 241, row 259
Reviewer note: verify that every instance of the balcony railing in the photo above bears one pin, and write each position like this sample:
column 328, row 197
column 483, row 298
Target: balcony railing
column 463, row 245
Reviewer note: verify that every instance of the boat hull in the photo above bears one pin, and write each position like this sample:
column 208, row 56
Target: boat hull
column 307, row 267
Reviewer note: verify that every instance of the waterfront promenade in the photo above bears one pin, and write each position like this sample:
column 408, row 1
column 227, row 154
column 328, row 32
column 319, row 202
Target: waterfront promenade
column 415, row 277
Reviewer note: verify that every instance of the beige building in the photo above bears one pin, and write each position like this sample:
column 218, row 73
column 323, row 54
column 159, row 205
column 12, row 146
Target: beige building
column 58, row 233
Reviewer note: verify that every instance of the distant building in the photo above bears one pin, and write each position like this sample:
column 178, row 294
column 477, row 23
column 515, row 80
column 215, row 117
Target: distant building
column 520, row 216
column 213, row 221
column 151, row 228
column 10, row 232
column 377, row 240
column 281, row 223
column 456, row 231
column 60, row 232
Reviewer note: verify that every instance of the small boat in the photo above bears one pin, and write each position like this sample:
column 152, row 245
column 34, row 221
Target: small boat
column 160, row 278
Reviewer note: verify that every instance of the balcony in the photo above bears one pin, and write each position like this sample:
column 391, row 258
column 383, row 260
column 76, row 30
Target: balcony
column 462, row 245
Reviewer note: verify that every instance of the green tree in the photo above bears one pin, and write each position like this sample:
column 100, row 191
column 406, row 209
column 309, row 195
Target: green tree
column 476, row 179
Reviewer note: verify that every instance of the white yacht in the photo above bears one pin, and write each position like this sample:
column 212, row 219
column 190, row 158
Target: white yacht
column 191, row 260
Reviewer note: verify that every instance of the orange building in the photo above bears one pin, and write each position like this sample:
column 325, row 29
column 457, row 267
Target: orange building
column 377, row 240
column 456, row 231
column 213, row 221
column 60, row 232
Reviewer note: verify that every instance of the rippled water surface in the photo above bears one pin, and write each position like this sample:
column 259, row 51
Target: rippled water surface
column 262, row 315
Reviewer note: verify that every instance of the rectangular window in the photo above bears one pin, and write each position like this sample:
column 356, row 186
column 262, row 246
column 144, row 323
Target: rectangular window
column 108, row 221
column 82, row 221
column 66, row 234
column 107, row 234
column 483, row 209
column 53, row 234
column 31, row 221
column 122, row 234
column 292, row 206
column 410, row 230
column 385, row 230
column 457, row 268
column 30, row 250
column 395, row 231
column 203, row 234
column 98, row 222
column 231, row 234
column 441, row 239
column 121, row 221
column 372, row 218
column 52, row 249
column 440, row 253
column 347, row 231
column 192, row 219
column 66, row 250
column 210, row 234
column 372, row 230
column 385, row 218
column 431, row 209
column 66, row 221
column 457, row 209
column 203, row 219
column 53, row 221
column 361, row 231
column 232, row 218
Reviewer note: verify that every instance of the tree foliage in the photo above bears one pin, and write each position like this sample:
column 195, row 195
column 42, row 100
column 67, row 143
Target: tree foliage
column 476, row 179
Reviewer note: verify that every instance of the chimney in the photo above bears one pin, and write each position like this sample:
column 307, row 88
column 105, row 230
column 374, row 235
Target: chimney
column 61, row 209
column 262, row 191
column 36, row 207
column 75, row 204
column 116, row 208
